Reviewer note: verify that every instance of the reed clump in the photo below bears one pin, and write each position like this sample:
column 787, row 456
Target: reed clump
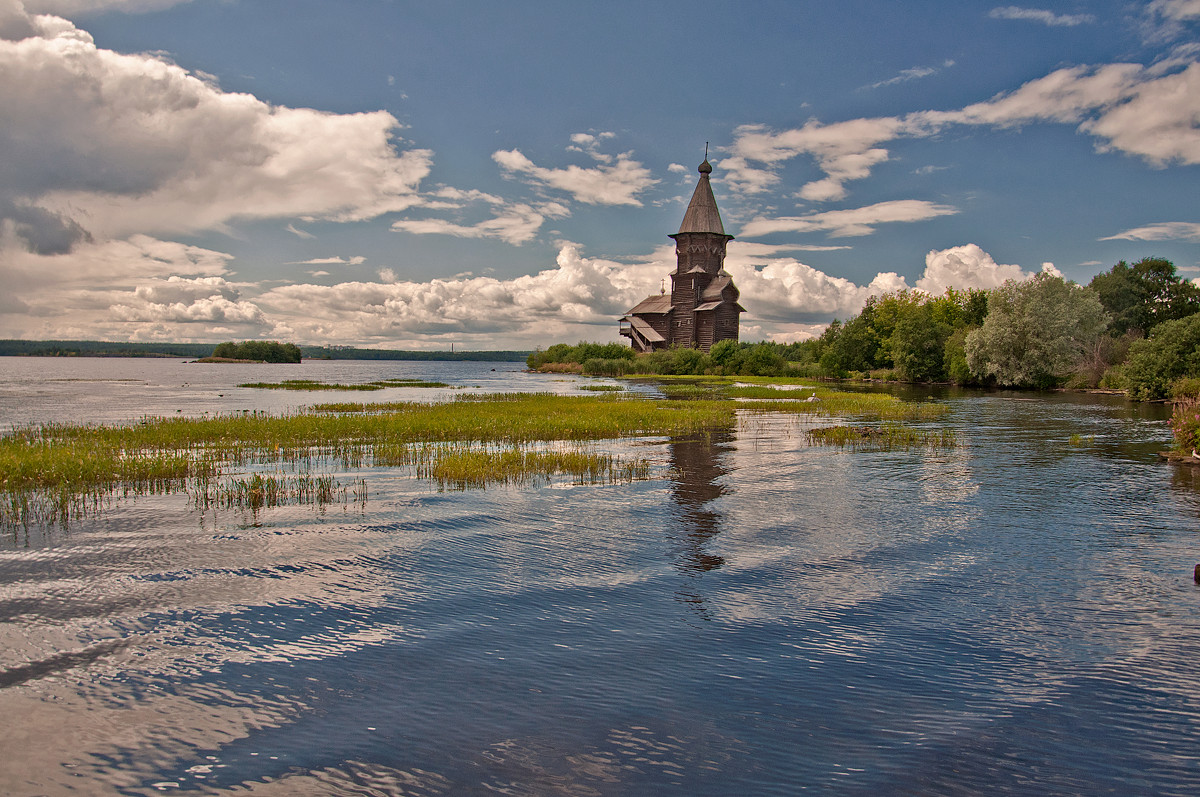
column 888, row 437
column 258, row 491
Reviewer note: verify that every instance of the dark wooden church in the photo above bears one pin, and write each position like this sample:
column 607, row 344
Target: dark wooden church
column 703, row 306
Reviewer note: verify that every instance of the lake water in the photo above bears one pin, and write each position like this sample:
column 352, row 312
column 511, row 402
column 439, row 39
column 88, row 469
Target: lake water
column 1014, row 616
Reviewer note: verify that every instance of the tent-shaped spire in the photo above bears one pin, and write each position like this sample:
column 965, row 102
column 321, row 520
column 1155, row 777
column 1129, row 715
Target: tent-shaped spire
column 702, row 214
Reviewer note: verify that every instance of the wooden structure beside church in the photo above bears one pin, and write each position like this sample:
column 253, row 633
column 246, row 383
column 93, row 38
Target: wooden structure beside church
column 703, row 305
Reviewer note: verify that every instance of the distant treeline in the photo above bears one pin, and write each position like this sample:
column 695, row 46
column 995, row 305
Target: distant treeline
column 347, row 353
column 95, row 348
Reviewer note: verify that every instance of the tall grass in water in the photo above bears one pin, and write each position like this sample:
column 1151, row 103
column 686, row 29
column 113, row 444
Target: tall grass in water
column 881, row 438
column 760, row 394
column 54, row 467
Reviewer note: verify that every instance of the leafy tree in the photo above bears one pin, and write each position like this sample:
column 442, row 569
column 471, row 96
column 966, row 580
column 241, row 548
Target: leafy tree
column 1144, row 295
column 1036, row 332
column 1171, row 352
column 919, row 343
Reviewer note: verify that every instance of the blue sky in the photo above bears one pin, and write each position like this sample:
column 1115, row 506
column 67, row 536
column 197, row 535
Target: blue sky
column 505, row 175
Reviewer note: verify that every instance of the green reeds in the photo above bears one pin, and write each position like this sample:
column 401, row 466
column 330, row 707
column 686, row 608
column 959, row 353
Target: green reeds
column 887, row 437
column 456, row 466
column 58, row 465
column 259, row 491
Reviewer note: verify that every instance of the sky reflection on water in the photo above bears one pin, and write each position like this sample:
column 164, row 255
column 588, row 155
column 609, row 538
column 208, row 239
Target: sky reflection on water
column 1015, row 615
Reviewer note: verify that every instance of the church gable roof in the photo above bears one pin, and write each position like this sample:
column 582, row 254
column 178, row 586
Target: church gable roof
column 717, row 289
column 653, row 304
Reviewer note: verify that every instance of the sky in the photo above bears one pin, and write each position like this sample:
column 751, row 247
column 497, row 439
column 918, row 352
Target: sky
column 412, row 175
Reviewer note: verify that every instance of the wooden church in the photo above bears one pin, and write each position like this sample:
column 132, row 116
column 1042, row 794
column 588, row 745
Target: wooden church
column 703, row 306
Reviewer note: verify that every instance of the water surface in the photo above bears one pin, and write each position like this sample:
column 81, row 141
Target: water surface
column 1014, row 616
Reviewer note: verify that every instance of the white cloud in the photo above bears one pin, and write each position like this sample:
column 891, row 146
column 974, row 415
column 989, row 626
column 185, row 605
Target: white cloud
column 330, row 261
column 209, row 310
column 589, row 144
column 913, row 73
column 851, row 222
column 515, row 224
column 107, row 145
column 577, row 293
column 963, row 267
column 299, row 233
column 844, row 151
column 1177, row 10
column 1042, row 16
column 788, row 291
column 1163, row 231
column 615, row 184
column 1148, row 112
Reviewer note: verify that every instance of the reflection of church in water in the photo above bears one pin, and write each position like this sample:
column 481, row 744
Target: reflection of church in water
column 703, row 306
column 698, row 467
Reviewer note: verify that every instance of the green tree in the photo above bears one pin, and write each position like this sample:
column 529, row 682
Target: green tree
column 1144, row 295
column 1036, row 332
column 1171, row 352
column 919, row 343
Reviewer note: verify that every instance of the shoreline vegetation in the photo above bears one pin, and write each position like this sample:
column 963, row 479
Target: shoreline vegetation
column 57, row 474
column 1133, row 330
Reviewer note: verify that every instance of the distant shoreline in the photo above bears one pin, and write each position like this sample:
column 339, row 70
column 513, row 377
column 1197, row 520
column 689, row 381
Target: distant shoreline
column 93, row 348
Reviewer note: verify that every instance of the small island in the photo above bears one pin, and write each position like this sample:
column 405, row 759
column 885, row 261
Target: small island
column 254, row 351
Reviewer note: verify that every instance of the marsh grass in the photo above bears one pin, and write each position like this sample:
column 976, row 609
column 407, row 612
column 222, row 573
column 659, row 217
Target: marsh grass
column 888, row 437
column 257, row 491
column 763, row 394
column 459, row 467
column 52, row 472
column 49, row 472
column 602, row 388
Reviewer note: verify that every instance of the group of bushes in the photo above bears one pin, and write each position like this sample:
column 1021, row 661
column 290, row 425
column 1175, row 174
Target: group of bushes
column 725, row 358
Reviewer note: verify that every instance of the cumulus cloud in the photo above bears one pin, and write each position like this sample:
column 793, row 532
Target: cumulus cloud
column 784, row 294
column 1150, row 112
column 844, row 151
column 515, row 224
column 1163, row 231
column 576, row 291
column 106, row 145
column 617, row 183
column 850, row 222
column 1042, row 16
column 213, row 309
column 789, row 291
column 963, row 267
